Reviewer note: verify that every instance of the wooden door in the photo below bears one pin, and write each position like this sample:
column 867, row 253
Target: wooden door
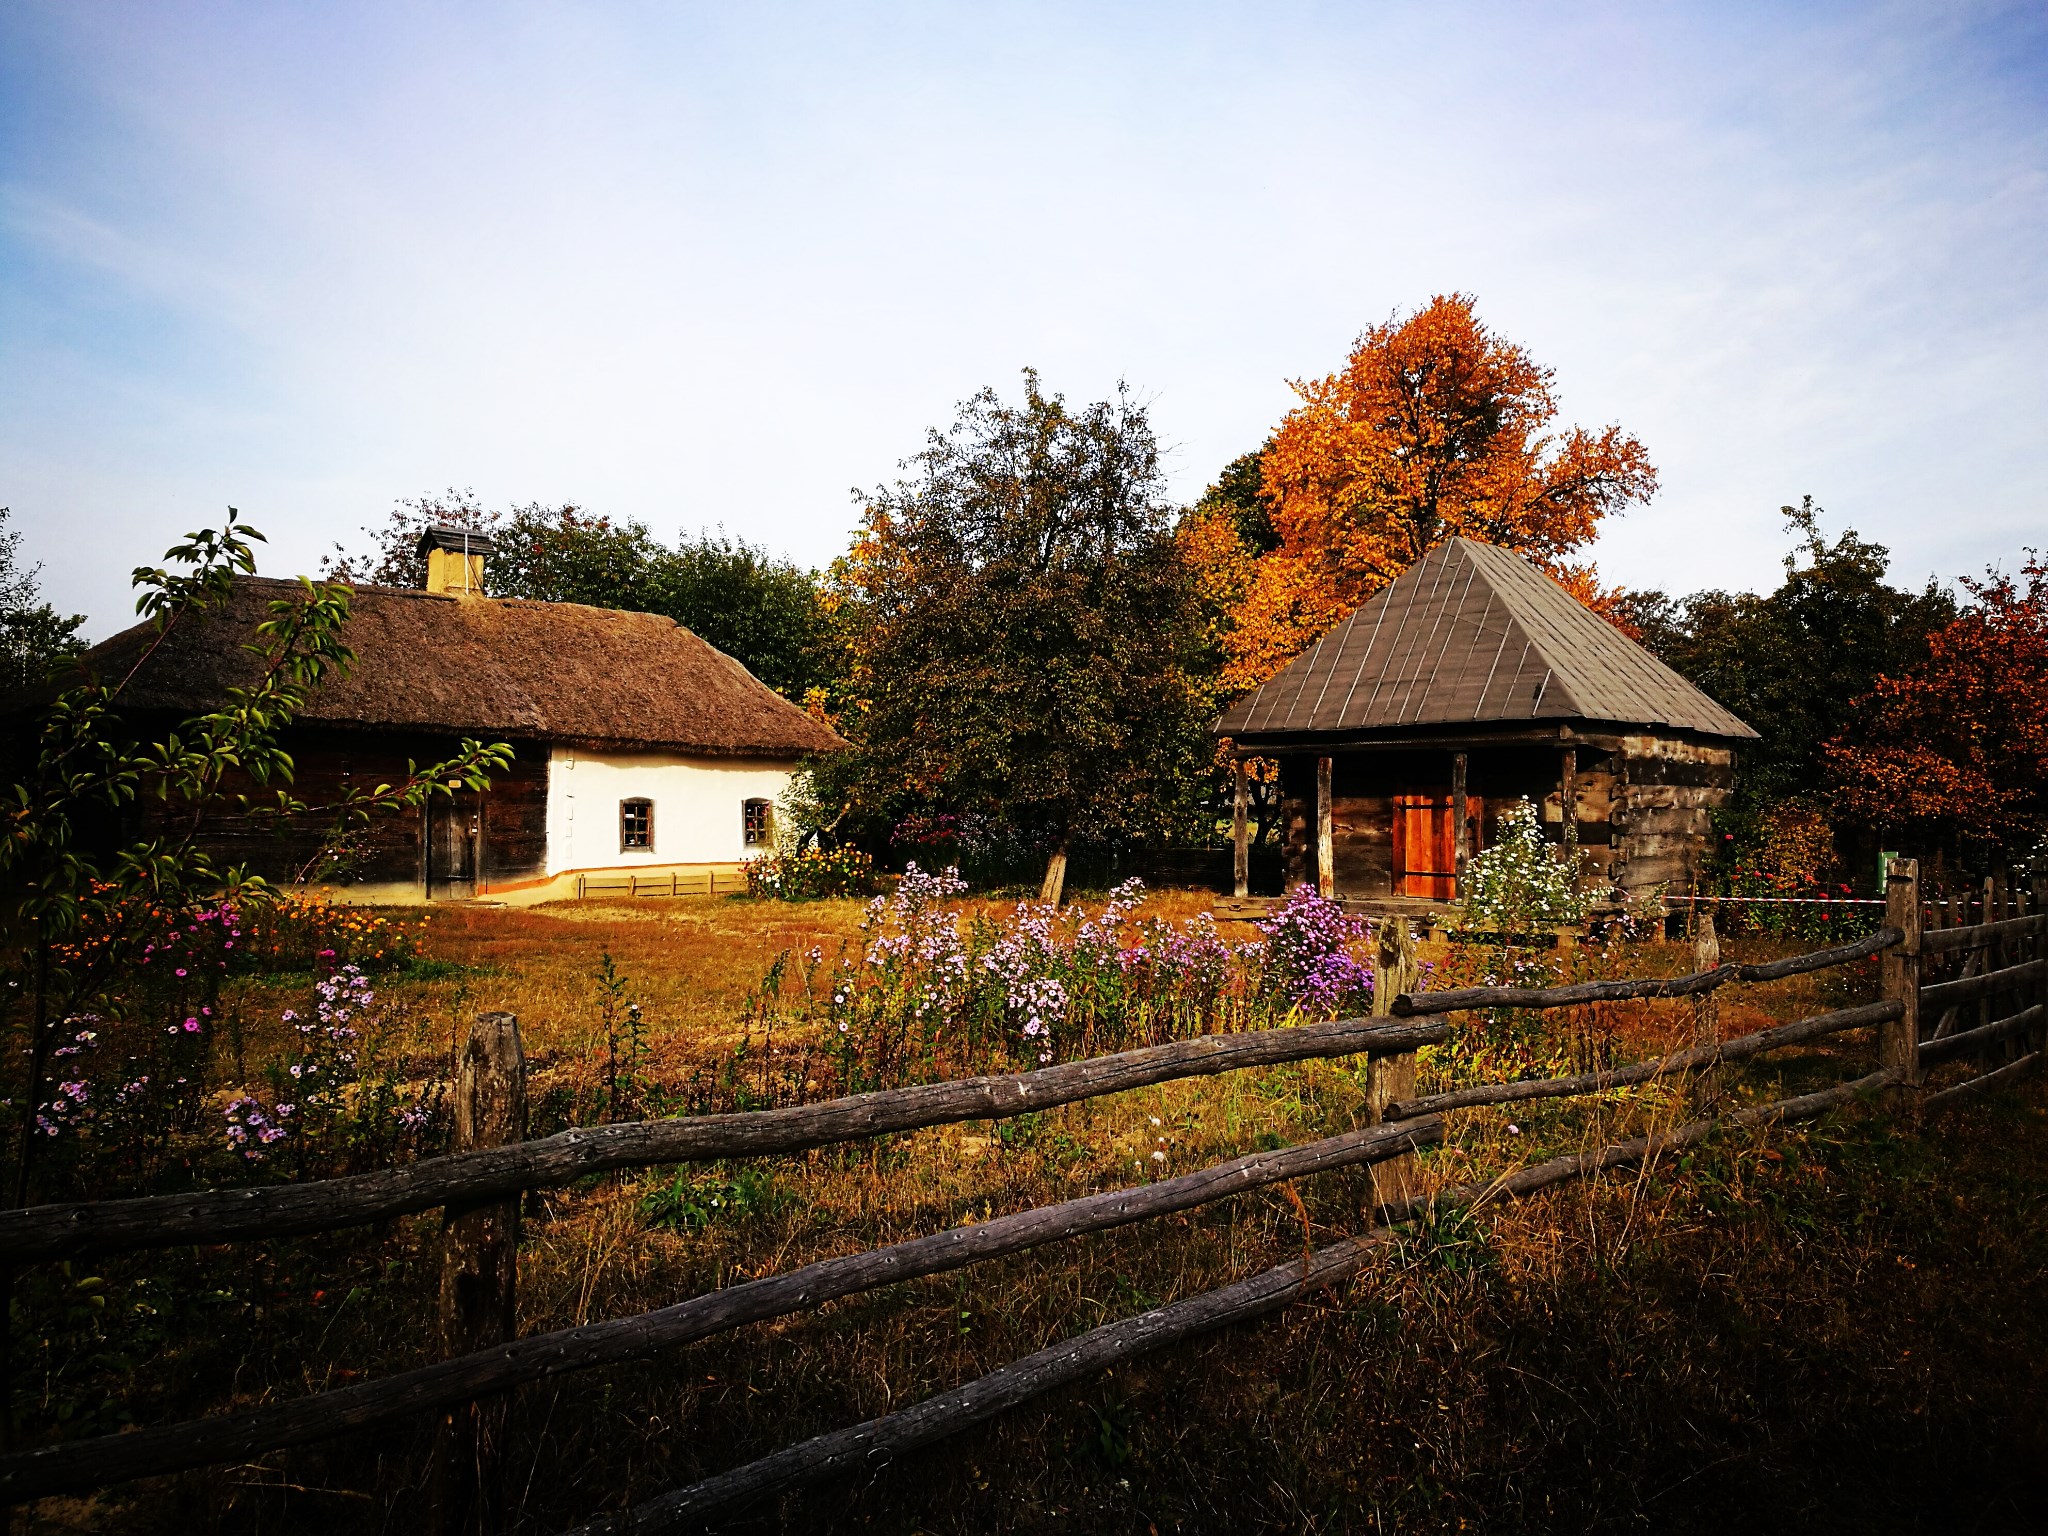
column 454, row 833
column 1425, row 844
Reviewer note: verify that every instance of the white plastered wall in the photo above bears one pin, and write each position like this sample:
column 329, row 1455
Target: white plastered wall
column 697, row 801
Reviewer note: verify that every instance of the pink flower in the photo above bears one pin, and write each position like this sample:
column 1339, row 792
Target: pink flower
column 191, row 1026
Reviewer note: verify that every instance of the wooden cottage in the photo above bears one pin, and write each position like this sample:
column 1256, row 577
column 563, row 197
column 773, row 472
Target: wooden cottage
column 1475, row 681
column 644, row 757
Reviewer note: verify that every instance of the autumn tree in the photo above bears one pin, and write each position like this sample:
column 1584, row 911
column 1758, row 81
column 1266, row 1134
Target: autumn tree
column 1023, row 630
column 1951, row 755
column 1435, row 427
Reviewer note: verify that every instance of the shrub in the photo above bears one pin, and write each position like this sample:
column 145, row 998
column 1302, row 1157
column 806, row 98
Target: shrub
column 1520, row 885
column 929, row 994
column 1307, row 955
column 810, row 874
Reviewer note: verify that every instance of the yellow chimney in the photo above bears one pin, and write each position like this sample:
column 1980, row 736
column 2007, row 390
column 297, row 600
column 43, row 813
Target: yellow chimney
column 455, row 560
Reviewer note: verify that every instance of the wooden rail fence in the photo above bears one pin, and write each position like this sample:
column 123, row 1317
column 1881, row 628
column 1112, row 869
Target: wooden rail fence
column 477, row 1187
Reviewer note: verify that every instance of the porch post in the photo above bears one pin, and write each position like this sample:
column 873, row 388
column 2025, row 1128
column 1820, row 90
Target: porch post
column 1240, row 831
column 1326, row 842
column 1568, row 794
column 1461, row 837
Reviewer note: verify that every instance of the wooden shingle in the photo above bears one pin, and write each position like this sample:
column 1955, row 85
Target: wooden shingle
column 1473, row 635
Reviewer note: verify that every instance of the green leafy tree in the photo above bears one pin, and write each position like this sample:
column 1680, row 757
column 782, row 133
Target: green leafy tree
column 34, row 637
column 1024, row 632
column 1794, row 662
column 103, row 835
column 769, row 612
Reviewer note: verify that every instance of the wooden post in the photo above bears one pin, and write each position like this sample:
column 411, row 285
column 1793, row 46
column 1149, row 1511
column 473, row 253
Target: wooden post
column 1567, row 803
column 479, row 1271
column 1461, row 834
column 1706, row 1013
column 2039, row 906
column 1326, row 837
column 1240, row 830
column 1055, row 884
column 1388, row 1078
column 1898, row 1042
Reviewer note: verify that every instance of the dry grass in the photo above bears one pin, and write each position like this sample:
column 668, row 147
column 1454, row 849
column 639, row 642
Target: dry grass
column 1836, row 1331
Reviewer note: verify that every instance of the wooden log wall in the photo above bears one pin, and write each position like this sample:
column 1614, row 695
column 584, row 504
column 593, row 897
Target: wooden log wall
column 390, row 850
column 1665, row 793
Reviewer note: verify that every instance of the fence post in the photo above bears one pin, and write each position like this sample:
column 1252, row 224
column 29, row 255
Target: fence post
column 1898, row 1040
column 1706, row 1011
column 2038, row 909
column 1388, row 1078
column 479, row 1272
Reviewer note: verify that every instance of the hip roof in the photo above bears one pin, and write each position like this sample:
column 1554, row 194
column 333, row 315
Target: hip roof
column 1473, row 635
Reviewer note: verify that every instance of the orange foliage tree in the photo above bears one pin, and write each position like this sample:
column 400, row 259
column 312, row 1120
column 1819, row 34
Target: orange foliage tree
column 1435, row 427
column 1954, row 754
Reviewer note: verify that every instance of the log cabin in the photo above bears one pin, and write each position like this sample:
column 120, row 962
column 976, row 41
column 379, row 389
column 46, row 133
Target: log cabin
column 1472, row 682
column 643, row 758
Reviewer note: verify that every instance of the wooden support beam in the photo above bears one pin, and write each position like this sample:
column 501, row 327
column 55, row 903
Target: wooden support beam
column 1413, row 1005
column 1461, row 832
column 1567, row 802
column 1326, row 836
column 1240, row 830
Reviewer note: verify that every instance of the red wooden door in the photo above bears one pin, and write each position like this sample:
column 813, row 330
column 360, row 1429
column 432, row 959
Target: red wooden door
column 1425, row 844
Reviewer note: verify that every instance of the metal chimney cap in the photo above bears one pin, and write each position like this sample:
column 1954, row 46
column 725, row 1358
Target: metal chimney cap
column 463, row 541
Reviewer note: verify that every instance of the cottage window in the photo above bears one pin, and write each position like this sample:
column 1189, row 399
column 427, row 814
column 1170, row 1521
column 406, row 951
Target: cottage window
column 755, row 817
column 636, row 825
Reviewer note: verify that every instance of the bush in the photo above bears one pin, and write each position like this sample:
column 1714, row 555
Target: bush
column 810, row 875
column 929, row 994
column 300, row 933
column 1520, row 885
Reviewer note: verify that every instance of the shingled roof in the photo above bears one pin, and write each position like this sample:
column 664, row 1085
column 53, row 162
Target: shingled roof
column 493, row 667
column 1473, row 635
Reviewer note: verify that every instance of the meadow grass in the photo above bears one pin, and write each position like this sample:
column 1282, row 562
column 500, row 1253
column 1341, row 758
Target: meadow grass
column 1836, row 1329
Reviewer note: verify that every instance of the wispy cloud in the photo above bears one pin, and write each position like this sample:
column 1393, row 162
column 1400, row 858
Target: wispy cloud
column 716, row 264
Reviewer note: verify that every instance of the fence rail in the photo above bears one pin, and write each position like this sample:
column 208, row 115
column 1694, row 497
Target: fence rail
column 79, row 1228
column 1694, row 984
column 470, row 1180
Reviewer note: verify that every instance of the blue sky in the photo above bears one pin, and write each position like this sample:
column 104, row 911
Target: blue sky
column 707, row 265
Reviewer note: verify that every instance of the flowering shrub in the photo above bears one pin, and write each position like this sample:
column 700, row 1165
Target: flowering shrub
column 930, row 993
column 1308, row 960
column 1519, row 885
column 320, row 1100
column 302, row 933
column 810, row 874
column 1782, row 861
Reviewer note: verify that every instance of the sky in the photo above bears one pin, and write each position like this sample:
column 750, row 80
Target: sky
column 716, row 265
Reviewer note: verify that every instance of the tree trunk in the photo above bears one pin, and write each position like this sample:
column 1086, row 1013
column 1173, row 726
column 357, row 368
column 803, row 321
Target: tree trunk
column 1055, row 875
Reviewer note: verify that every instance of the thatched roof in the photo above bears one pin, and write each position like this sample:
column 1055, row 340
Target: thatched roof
column 492, row 667
column 1472, row 635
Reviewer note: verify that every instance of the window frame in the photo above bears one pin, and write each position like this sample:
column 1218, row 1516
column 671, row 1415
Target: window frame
column 627, row 806
column 766, row 833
